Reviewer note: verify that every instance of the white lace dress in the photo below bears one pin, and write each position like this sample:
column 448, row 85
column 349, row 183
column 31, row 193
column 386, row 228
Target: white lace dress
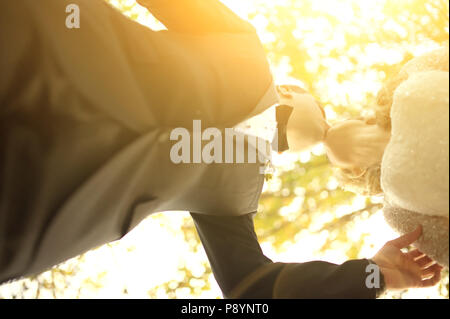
column 415, row 166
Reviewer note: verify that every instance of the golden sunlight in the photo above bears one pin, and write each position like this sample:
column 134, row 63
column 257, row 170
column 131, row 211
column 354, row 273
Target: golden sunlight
column 343, row 52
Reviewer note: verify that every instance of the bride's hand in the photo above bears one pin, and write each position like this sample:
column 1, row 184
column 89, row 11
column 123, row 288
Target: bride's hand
column 355, row 144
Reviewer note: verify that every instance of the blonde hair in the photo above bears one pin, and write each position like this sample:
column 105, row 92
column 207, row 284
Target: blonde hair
column 368, row 182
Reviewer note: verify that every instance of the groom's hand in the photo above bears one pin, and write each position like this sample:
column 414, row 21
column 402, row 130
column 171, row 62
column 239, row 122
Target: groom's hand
column 406, row 270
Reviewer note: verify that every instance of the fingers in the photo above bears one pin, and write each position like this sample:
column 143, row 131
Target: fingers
column 424, row 262
column 415, row 254
column 432, row 276
column 428, row 265
column 431, row 271
column 411, row 267
column 283, row 90
column 407, row 239
column 430, row 282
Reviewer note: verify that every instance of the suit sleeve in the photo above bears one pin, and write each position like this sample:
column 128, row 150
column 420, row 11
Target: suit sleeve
column 243, row 271
column 196, row 16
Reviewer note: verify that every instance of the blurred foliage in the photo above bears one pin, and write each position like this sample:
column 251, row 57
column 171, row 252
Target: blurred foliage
column 307, row 184
column 340, row 50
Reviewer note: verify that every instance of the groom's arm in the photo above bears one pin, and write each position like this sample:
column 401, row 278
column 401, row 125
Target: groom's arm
column 196, row 16
column 242, row 270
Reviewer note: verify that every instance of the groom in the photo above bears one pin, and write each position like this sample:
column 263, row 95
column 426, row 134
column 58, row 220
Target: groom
column 85, row 130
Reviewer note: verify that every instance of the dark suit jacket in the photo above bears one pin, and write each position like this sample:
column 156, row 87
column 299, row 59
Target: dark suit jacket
column 86, row 116
column 85, row 121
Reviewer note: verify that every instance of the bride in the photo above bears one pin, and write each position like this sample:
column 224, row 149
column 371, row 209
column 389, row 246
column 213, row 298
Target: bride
column 413, row 173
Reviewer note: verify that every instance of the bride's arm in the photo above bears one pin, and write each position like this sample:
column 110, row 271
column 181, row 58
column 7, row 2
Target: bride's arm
column 350, row 144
